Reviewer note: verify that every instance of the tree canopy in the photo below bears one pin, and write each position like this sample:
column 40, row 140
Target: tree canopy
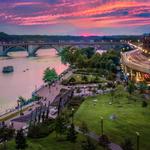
column 50, row 75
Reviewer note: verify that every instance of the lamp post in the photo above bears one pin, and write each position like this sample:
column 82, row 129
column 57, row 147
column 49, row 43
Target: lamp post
column 102, row 125
column 138, row 139
column 35, row 88
column 84, row 89
column 72, row 114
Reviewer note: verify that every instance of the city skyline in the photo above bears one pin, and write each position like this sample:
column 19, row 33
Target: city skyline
column 75, row 17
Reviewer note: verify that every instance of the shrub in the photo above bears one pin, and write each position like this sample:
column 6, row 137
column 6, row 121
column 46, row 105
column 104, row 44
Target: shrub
column 94, row 91
column 144, row 104
column 96, row 79
column 65, row 82
column 6, row 134
column 104, row 140
column 84, row 78
column 99, row 86
column 72, row 80
column 127, row 145
column 72, row 134
column 78, row 90
column 88, row 145
column 43, row 130
column 20, row 139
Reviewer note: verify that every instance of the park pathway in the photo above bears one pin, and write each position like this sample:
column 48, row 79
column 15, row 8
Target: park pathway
column 92, row 135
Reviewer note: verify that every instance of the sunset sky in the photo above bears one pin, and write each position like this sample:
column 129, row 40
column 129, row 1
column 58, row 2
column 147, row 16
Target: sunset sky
column 75, row 17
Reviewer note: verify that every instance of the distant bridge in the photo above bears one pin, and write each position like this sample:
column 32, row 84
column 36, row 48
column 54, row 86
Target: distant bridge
column 32, row 48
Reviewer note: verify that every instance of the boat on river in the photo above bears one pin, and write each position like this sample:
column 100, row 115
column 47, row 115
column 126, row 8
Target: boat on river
column 8, row 69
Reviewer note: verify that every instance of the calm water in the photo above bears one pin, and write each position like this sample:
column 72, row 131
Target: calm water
column 27, row 75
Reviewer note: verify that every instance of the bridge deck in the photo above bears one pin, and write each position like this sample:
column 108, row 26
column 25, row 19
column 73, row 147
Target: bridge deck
column 62, row 43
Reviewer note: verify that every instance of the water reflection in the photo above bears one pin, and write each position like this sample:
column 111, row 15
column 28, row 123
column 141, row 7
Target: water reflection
column 28, row 73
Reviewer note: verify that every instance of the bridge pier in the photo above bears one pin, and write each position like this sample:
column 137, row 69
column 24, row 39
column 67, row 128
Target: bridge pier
column 1, row 50
column 2, row 53
column 32, row 50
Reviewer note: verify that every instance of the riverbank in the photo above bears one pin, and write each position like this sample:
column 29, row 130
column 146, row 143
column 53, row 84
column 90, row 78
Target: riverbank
column 39, row 91
column 22, row 83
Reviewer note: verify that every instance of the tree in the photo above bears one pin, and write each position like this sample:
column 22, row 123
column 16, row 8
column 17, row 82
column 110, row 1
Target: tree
column 21, row 102
column 142, row 87
column 131, row 87
column 50, row 75
column 85, row 78
column 89, row 51
column 72, row 134
column 65, row 55
column 81, row 61
column 39, row 130
column 60, row 125
column 69, row 55
column 5, row 135
column 144, row 104
column 88, row 145
column 120, row 92
column 127, row 145
column 95, row 61
column 20, row 140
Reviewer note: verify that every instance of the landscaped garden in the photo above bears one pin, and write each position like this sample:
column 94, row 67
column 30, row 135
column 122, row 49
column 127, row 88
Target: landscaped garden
column 51, row 143
column 123, row 115
column 84, row 79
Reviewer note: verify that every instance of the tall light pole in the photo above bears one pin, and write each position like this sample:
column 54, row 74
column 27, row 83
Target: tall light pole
column 138, row 140
column 72, row 114
column 102, row 125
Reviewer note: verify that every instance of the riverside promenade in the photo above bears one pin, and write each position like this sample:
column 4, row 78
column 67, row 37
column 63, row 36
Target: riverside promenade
column 48, row 95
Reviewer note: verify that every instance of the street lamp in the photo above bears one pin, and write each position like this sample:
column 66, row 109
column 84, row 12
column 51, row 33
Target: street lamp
column 84, row 89
column 72, row 114
column 102, row 125
column 138, row 139
column 35, row 88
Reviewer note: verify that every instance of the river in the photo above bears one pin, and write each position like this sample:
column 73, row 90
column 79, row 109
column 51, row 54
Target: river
column 27, row 75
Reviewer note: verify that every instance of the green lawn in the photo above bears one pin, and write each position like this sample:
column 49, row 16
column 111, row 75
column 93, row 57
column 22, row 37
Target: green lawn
column 130, row 118
column 51, row 143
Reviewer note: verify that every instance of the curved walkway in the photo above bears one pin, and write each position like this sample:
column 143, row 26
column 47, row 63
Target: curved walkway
column 92, row 135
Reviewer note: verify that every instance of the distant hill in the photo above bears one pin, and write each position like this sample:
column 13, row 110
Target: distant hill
column 55, row 38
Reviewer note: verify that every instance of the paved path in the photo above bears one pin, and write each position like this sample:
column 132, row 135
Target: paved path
column 111, row 146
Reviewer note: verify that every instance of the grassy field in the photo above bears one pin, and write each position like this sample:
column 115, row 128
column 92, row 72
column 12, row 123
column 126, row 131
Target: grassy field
column 131, row 117
column 51, row 143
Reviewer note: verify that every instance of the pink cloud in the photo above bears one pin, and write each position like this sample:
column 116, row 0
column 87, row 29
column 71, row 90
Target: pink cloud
column 80, row 13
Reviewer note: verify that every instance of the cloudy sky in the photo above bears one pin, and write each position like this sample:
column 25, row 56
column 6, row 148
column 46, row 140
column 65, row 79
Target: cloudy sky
column 75, row 17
